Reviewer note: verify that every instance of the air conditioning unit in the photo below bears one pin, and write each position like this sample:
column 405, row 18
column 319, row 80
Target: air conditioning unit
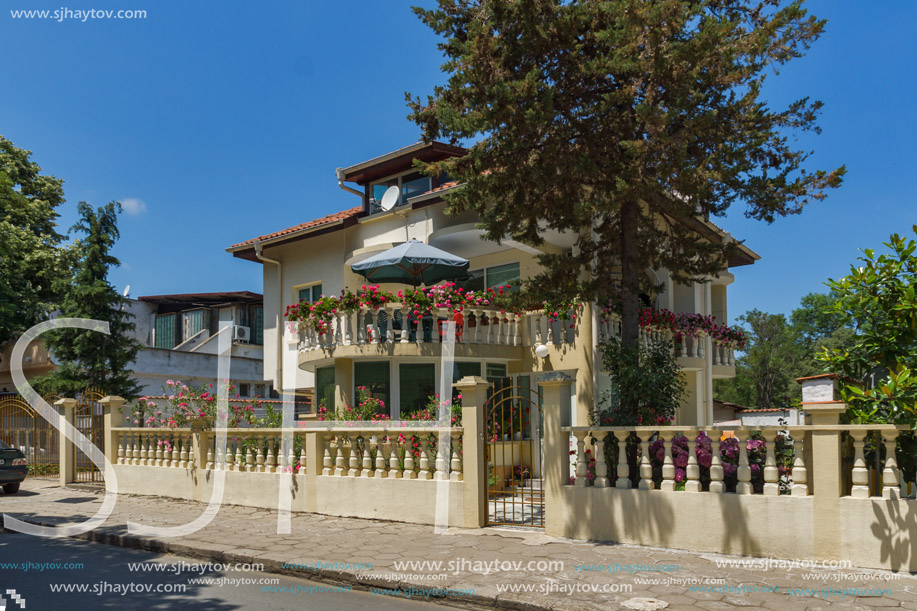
column 241, row 334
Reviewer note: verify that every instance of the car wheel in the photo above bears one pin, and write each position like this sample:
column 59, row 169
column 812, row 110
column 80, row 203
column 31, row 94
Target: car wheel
column 11, row 488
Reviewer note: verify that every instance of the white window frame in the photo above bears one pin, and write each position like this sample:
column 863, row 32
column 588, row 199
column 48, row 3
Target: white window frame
column 400, row 185
column 308, row 285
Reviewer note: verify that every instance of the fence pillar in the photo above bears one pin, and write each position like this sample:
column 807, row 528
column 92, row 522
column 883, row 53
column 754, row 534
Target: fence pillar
column 557, row 411
column 314, row 453
column 819, row 401
column 66, row 451
column 112, row 418
column 474, row 406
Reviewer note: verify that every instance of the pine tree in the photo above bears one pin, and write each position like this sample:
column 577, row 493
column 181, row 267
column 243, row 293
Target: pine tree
column 629, row 123
column 89, row 358
column 30, row 257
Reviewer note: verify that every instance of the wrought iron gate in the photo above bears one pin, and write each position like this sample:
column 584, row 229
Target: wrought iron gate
column 515, row 458
column 89, row 420
column 23, row 428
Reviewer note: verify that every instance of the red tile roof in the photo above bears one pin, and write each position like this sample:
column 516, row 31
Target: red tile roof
column 444, row 186
column 330, row 218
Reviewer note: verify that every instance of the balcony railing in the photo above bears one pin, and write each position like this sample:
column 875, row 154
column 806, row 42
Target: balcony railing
column 688, row 346
column 387, row 325
column 484, row 326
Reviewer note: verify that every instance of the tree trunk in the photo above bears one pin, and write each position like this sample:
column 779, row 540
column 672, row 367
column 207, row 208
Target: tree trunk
column 630, row 291
column 630, row 279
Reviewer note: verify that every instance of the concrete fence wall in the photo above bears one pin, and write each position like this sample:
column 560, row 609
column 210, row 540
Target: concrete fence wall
column 820, row 509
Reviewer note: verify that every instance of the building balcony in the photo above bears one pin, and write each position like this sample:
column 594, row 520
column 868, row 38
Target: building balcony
column 691, row 350
column 480, row 333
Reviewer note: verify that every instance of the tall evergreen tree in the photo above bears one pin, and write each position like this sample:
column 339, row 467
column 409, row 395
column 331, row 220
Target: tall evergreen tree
column 627, row 122
column 88, row 358
column 30, row 257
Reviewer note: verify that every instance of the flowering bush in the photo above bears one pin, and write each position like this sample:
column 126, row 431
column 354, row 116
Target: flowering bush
column 420, row 301
column 686, row 324
column 186, row 405
column 729, row 459
column 368, row 408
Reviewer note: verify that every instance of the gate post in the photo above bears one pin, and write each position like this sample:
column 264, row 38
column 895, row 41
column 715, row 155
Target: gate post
column 556, row 392
column 112, row 417
column 66, row 453
column 474, row 400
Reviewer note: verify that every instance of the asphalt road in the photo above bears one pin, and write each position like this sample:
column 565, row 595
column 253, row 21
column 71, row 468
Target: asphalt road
column 105, row 572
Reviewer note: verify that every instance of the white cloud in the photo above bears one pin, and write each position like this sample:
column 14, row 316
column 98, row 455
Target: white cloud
column 133, row 206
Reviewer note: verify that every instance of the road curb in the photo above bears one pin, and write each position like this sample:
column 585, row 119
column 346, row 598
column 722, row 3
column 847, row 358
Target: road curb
column 275, row 567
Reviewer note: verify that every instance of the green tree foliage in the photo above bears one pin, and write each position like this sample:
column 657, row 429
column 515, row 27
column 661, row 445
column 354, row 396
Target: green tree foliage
column 879, row 299
column 766, row 373
column 779, row 350
column 655, row 386
column 626, row 122
column 89, row 358
column 30, row 257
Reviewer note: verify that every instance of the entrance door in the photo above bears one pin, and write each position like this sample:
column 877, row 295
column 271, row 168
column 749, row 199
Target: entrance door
column 24, row 429
column 515, row 459
column 89, row 421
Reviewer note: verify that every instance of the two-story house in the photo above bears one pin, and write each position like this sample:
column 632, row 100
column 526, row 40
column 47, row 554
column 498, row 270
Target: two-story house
column 314, row 258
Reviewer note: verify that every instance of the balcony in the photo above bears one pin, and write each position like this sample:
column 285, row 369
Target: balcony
column 488, row 333
column 368, row 332
column 691, row 349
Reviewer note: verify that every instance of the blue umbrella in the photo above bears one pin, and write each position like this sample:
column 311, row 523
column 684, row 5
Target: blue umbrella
column 412, row 263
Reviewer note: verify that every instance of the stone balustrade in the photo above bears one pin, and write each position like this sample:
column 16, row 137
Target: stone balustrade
column 770, row 461
column 395, row 323
column 687, row 346
column 424, row 452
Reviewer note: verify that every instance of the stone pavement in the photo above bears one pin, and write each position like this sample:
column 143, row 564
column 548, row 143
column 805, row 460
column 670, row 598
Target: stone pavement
column 244, row 534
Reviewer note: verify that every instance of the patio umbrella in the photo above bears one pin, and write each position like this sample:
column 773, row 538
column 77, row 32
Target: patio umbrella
column 412, row 263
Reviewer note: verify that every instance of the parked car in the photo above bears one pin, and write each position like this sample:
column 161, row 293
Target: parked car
column 13, row 468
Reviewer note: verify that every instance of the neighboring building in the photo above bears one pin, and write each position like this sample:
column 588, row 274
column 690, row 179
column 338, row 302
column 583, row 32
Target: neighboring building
column 726, row 413
column 775, row 416
column 36, row 362
column 313, row 258
column 178, row 334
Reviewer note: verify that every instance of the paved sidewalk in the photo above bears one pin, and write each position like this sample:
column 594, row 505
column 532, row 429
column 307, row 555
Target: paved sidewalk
column 242, row 534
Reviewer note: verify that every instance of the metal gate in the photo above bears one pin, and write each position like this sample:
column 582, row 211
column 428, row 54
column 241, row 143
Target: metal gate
column 23, row 428
column 515, row 457
column 89, row 420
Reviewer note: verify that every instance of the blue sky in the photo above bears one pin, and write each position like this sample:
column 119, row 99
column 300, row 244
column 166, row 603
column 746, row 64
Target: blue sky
column 226, row 120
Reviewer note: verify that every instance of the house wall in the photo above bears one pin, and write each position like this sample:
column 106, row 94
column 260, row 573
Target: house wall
column 154, row 366
column 324, row 258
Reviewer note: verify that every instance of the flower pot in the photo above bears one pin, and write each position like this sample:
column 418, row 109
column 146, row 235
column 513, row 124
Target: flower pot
column 199, row 423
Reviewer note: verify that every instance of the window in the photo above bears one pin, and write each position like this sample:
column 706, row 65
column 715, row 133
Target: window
column 258, row 326
column 165, row 331
column 416, row 381
column 374, row 376
column 245, row 389
column 495, row 371
column 461, row 370
column 411, row 184
column 498, row 275
column 324, row 387
column 310, row 293
column 502, row 275
column 193, row 322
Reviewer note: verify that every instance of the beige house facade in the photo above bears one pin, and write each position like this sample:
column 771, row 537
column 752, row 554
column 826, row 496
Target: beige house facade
column 314, row 258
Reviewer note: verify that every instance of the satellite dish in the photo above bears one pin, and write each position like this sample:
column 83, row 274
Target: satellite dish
column 390, row 198
column 127, row 290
